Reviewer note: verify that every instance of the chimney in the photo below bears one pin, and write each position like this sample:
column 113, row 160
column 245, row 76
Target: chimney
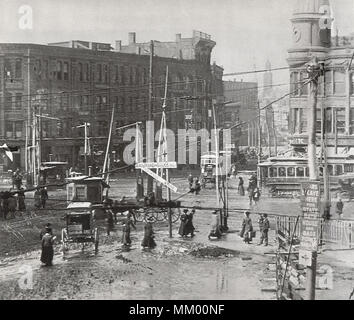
column 178, row 37
column 131, row 36
column 118, row 45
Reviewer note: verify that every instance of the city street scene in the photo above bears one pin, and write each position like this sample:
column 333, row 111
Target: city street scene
column 177, row 150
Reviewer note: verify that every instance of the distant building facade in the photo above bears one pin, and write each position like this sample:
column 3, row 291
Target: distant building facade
column 242, row 112
column 79, row 81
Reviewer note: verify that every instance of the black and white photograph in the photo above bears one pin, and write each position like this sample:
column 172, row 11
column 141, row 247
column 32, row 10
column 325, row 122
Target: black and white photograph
column 176, row 150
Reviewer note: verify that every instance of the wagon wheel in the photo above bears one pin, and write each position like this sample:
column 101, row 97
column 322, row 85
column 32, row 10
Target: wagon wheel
column 175, row 215
column 139, row 215
column 149, row 214
column 160, row 214
column 96, row 237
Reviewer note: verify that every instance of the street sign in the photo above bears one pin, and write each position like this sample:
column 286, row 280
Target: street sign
column 156, row 165
column 311, row 220
column 161, row 180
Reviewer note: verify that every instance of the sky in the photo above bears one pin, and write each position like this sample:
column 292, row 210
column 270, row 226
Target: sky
column 246, row 32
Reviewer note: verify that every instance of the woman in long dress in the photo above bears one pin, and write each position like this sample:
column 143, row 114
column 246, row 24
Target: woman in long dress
column 246, row 232
column 128, row 223
column 47, row 248
column 215, row 231
column 241, row 188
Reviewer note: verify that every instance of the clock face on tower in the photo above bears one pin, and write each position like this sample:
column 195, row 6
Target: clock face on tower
column 296, row 34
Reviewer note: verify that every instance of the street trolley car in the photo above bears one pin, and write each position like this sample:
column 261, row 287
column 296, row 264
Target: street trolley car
column 208, row 169
column 79, row 227
column 282, row 177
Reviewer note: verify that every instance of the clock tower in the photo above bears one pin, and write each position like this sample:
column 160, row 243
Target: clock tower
column 311, row 30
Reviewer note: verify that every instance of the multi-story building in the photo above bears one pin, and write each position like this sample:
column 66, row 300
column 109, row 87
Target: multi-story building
column 77, row 81
column 242, row 112
column 312, row 39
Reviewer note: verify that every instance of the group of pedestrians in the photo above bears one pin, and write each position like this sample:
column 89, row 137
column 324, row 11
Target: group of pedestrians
column 186, row 226
column 128, row 224
column 194, row 184
column 248, row 233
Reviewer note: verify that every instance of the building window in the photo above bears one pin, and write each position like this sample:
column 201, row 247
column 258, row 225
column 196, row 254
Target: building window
column 87, row 72
column 13, row 129
column 8, row 68
column 38, row 68
column 304, row 91
column 18, row 68
column 294, row 83
column 81, row 75
column 339, row 82
column 104, row 102
column 340, row 120
column 122, row 75
column 46, row 69
column 116, row 73
column 66, row 71
column 59, row 70
column 99, row 73
column 131, row 75
column 18, row 104
column 328, row 83
column 8, row 102
column 105, row 73
column 303, row 120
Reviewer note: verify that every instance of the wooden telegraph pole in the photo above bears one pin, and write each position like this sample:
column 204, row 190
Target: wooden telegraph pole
column 149, row 178
column 314, row 71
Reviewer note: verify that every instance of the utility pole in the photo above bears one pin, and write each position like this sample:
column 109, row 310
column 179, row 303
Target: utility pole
column 149, row 178
column 275, row 134
column 259, row 144
column 313, row 70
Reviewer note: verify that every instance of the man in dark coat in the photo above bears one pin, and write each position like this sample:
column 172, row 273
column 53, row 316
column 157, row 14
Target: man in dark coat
column 241, row 188
column 264, row 230
column 47, row 248
column 339, row 208
column 127, row 224
column 44, row 197
column 21, row 200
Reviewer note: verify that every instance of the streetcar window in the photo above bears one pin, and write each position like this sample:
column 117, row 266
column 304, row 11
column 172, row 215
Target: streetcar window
column 273, row 172
column 348, row 168
column 330, row 170
column 282, row 172
column 291, row 172
column 265, row 172
column 300, row 172
column 339, row 170
column 307, row 172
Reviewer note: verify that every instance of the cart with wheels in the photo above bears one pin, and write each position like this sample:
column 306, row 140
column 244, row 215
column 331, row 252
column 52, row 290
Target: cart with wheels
column 79, row 227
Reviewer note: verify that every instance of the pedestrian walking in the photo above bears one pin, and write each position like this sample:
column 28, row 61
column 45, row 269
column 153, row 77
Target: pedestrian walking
column 182, row 227
column 215, row 231
column 37, row 199
column 127, row 225
column 190, row 181
column 21, row 200
column 241, row 188
column 247, row 228
column 12, row 205
column 148, row 240
column 47, row 227
column 47, row 248
column 250, row 193
column 339, row 208
column 256, row 195
column 264, row 230
column 44, row 196
column 197, row 186
column 189, row 227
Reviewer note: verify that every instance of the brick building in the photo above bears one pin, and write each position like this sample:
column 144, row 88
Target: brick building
column 78, row 81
